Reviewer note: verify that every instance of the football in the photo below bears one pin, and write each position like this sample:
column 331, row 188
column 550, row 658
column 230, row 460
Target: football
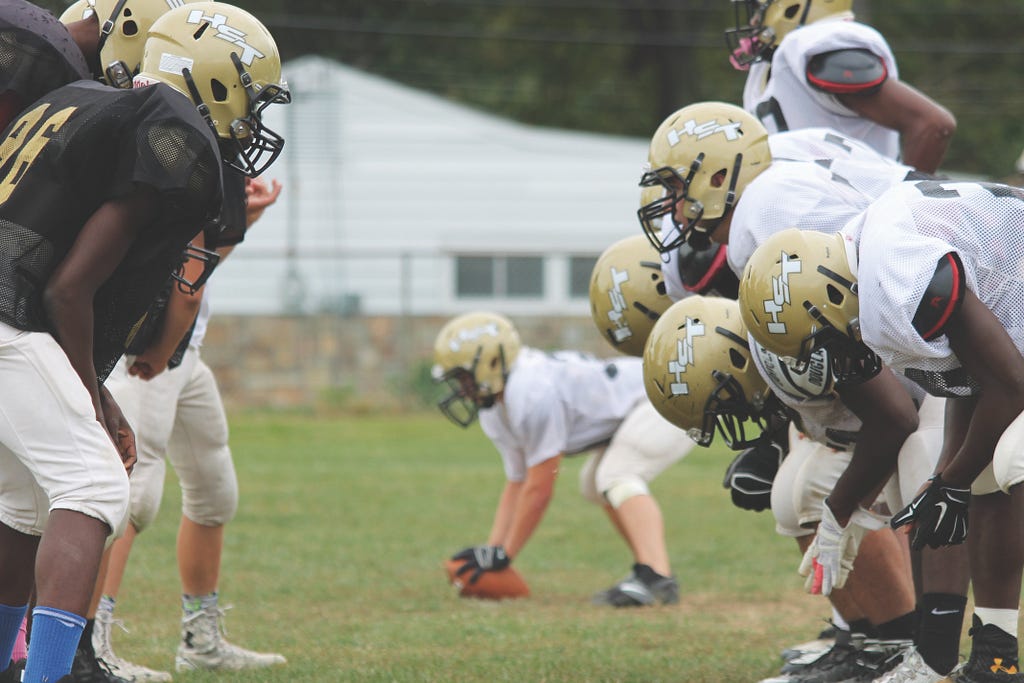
column 500, row 585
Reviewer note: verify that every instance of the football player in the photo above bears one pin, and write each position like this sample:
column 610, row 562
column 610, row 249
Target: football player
column 90, row 246
column 703, row 374
column 161, row 403
column 539, row 407
column 811, row 65
column 734, row 174
column 170, row 395
column 928, row 279
column 627, row 295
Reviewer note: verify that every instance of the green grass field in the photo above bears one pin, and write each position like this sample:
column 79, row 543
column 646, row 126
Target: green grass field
column 334, row 559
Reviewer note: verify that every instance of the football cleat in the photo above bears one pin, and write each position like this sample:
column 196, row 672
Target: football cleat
column 825, row 640
column 101, row 642
column 634, row 592
column 203, row 646
column 912, row 669
column 993, row 656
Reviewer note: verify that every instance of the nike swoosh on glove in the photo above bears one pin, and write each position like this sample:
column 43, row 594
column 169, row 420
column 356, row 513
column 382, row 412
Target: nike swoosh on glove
column 938, row 515
column 829, row 559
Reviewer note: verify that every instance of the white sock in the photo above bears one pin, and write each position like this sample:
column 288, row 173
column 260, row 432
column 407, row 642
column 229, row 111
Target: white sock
column 1005, row 619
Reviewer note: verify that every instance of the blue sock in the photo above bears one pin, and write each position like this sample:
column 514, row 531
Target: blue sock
column 10, row 622
column 55, row 636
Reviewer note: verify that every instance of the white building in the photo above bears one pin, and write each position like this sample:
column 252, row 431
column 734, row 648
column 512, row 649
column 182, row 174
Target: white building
column 400, row 202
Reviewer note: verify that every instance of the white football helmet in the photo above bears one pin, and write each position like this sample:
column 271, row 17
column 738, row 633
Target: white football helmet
column 702, row 156
column 627, row 294
column 699, row 374
column 762, row 24
column 473, row 355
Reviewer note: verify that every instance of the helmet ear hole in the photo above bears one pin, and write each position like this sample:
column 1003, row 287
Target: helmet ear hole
column 791, row 11
column 834, row 295
column 219, row 90
column 737, row 359
column 660, row 288
column 129, row 28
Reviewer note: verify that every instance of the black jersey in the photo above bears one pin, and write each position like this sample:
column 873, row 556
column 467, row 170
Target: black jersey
column 37, row 54
column 77, row 148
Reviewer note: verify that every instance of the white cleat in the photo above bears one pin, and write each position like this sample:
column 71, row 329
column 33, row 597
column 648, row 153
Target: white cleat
column 203, row 646
column 101, row 643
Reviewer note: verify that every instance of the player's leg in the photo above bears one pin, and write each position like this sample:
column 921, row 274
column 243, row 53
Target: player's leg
column 995, row 544
column 200, row 455
column 150, row 408
column 78, row 477
column 644, row 445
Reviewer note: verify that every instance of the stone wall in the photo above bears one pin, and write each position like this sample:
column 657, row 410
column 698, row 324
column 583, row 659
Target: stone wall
column 352, row 363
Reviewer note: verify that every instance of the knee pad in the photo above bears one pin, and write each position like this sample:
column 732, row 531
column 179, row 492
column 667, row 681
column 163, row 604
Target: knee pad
column 1008, row 458
column 215, row 501
column 787, row 522
column 625, row 489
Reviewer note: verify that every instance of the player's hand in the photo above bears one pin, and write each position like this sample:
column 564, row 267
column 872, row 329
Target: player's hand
column 829, row 559
column 480, row 559
column 258, row 197
column 148, row 364
column 937, row 516
column 118, row 429
column 750, row 475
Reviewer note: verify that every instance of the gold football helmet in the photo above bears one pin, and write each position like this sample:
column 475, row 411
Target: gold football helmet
column 762, row 24
column 703, row 156
column 627, row 293
column 123, row 26
column 473, row 355
column 798, row 294
column 227, row 62
column 699, row 375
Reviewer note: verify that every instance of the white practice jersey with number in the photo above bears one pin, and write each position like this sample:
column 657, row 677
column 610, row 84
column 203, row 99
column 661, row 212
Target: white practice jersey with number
column 900, row 240
column 850, row 175
column 778, row 93
column 823, row 195
column 560, row 402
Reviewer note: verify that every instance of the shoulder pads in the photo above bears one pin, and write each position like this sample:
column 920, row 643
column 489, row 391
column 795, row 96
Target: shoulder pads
column 942, row 297
column 849, row 71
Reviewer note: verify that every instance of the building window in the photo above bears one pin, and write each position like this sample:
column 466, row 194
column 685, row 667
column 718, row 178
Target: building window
column 474, row 276
column 580, row 270
column 499, row 276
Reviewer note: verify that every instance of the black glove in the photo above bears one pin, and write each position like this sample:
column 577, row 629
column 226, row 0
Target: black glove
column 939, row 515
column 750, row 476
column 480, row 559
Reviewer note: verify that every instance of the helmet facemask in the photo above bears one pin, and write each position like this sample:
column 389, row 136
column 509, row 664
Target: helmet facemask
column 749, row 40
column 467, row 395
column 852, row 361
column 252, row 146
column 209, row 260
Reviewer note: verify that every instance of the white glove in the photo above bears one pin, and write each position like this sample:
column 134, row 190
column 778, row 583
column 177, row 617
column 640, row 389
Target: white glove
column 830, row 557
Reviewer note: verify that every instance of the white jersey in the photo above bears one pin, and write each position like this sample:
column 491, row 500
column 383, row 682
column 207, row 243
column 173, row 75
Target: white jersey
column 778, row 93
column 824, row 419
column 821, row 195
column 849, row 177
column 564, row 402
column 899, row 242
column 812, row 398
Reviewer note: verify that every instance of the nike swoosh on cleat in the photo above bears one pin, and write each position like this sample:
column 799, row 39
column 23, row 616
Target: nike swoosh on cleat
column 940, row 612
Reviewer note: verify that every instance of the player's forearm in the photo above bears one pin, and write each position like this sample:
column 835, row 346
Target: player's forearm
column 71, row 318
column 505, row 513
column 533, row 503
